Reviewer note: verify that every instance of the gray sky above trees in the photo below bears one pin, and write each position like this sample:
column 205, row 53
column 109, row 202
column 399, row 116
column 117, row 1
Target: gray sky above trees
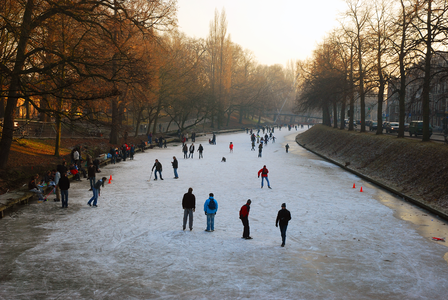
column 274, row 31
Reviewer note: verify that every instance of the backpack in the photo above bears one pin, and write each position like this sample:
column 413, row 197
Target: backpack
column 211, row 204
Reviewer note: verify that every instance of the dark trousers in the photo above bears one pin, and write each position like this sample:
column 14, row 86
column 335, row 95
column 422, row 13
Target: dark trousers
column 246, row 231
column 283, row 233
column 64, row 196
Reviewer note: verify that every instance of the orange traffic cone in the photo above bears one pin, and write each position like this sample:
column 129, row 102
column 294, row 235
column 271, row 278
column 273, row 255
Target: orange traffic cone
column 354, row 186
column 110, row 178
column 360, row 190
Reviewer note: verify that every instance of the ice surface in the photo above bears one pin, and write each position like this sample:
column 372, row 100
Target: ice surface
column 341, row 243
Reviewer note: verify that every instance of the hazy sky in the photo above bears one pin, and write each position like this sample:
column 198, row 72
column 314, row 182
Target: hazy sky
column 274, row 30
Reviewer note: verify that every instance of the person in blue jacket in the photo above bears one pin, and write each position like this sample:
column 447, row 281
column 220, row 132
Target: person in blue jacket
column 210, row 209
column 96, row 191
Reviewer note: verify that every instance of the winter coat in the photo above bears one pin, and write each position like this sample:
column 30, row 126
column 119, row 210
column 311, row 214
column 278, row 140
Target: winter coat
column 32, row 185
column 76, row 155
column 244, row 211
column 91, row 171
column 98, row 185
column 158, row 166
column 61, row 169
column 185, row 148
column 57, row 176
column 207, row 209
column 189, row 201
column 191, row 148
column 64, row 183
column 74, row 170
column 174, row 163
column 200, row 149
column 264, row 172
column 283, row 217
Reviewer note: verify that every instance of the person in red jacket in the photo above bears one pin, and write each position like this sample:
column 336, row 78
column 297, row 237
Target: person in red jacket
column 244, row 216
column 264, row 175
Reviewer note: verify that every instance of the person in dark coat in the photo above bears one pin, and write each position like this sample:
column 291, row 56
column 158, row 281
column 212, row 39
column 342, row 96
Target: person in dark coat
column 158, row 167
column 185, row 150
column 91, row 173
column 62, row 168
column 175, row 165
column 244, row 216
column 131, row 152
column 200, row 149
column 191, row 150
column 283, row 218
column 64, row 185
column 189, row 206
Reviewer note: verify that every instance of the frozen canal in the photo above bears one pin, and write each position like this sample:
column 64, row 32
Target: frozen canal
column 341, row 243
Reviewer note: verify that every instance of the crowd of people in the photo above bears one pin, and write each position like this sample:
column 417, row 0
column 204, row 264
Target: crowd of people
column 211, row 204
column 58, row 179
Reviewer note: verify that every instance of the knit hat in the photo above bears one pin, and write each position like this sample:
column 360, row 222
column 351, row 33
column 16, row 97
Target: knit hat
column 283, row 204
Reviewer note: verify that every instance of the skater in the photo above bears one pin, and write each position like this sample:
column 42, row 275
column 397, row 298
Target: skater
column 185, row 150
column 91, row 173
column 231, row 147
column 191, row 150
column 287, row 148
column 244, row 216
column 189, row 206
column 210, row 209
column 253, row 146
column 96, row 191
column 260, row 149
column 64, row 185
column 131, row 152
column 264, row 175
column 283, row 218
column 175, row 165
column 158, row 167
column 200, row 149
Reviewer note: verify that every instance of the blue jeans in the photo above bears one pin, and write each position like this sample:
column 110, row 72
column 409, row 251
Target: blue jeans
column 64, row 198
column 155, row 174
column 95, row 197
column 175, row 173
column 92, row 182
column 283, row 233
column 210, row 222
column 267, row 180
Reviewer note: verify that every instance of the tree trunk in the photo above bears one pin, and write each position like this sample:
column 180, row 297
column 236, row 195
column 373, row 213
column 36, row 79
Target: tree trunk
column 14, row 86
column 58, row 129
column 343, row 114
column 427, row 79
column 113, row 138
column 335, row 115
